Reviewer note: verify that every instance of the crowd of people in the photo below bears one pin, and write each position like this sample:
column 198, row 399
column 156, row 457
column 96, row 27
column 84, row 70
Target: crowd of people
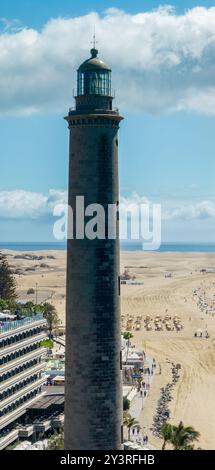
column 162, row 411
column 204, row 299
column 139, row 437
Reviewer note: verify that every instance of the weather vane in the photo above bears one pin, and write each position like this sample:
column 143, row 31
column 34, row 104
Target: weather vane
column 94, row 42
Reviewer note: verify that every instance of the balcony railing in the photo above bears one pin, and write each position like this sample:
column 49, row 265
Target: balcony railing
column 21, row 376
column 10, row 417
column 13, row 325
column 9, row 438
column 96, row 111
column 21, row 344
column 22, row 392
column 22, row 359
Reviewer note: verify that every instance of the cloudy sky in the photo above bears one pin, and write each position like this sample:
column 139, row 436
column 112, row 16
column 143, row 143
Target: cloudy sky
column 163, row 63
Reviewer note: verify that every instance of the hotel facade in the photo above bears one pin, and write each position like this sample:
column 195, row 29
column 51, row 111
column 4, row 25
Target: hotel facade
column 21, row 367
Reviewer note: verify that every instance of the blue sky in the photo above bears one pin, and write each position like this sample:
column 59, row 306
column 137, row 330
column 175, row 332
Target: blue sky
column 35, row 13
column 167, row 138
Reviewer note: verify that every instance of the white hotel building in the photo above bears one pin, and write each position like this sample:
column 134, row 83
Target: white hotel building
column 21, row 367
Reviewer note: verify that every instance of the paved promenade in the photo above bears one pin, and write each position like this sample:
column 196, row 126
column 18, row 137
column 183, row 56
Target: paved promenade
column 139, row 401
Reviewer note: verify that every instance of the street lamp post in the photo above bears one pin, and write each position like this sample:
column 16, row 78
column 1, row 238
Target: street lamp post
column 36, row 292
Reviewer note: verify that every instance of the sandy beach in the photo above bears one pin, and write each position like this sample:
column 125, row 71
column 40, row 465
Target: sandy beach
column 174, row 286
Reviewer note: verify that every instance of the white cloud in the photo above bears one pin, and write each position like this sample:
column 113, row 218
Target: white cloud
column 20, row 204
column 177, row 209
column 161, row 61
column 189, row 210
column 134, row 198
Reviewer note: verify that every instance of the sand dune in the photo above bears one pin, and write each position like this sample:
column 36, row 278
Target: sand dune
column 193, row 396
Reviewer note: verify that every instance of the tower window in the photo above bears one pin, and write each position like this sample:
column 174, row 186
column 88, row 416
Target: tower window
column 119, row 285
column 122, row 437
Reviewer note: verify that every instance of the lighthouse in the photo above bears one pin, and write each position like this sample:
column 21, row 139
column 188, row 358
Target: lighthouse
column 93, row 386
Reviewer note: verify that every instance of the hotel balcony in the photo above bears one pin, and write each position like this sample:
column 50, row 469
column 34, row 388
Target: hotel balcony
column 21, row 344
column 17, row 337
column 21, row 325
column 22, row 360
column 21, row 376
column 20, row 393
column 19, row 411
column 20, row 372
column 8, row 419
column 9, row 438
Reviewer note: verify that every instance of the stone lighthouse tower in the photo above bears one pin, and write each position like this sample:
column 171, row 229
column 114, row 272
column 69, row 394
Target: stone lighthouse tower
column 93, row 392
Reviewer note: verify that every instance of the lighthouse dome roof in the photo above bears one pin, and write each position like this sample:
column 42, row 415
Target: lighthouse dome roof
column 93, row 63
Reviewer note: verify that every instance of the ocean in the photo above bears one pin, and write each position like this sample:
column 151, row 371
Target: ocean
column 124, row 245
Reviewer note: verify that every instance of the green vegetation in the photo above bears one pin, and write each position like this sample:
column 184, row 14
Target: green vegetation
column 8, row 305
column 166, row 434
column 181, row 437
column 127, row 335
column 129, row 422
column 8, row 301
column 47, row 343
column 56, row 442
column 126, row 404
column 29, row 308
column 7, row 280
column 50, row 313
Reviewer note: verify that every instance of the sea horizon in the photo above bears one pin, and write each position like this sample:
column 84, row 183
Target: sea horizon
column 183, row 247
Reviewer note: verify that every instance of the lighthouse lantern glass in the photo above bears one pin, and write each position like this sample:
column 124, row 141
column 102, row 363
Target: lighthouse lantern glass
column 94, row 83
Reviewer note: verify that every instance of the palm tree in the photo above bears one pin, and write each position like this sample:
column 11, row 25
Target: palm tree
column 188, row 447
column 51, row 316
column 166, row 434
column 129, row 422
column 182, row 436
column 126, row 404
column 127, row 335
